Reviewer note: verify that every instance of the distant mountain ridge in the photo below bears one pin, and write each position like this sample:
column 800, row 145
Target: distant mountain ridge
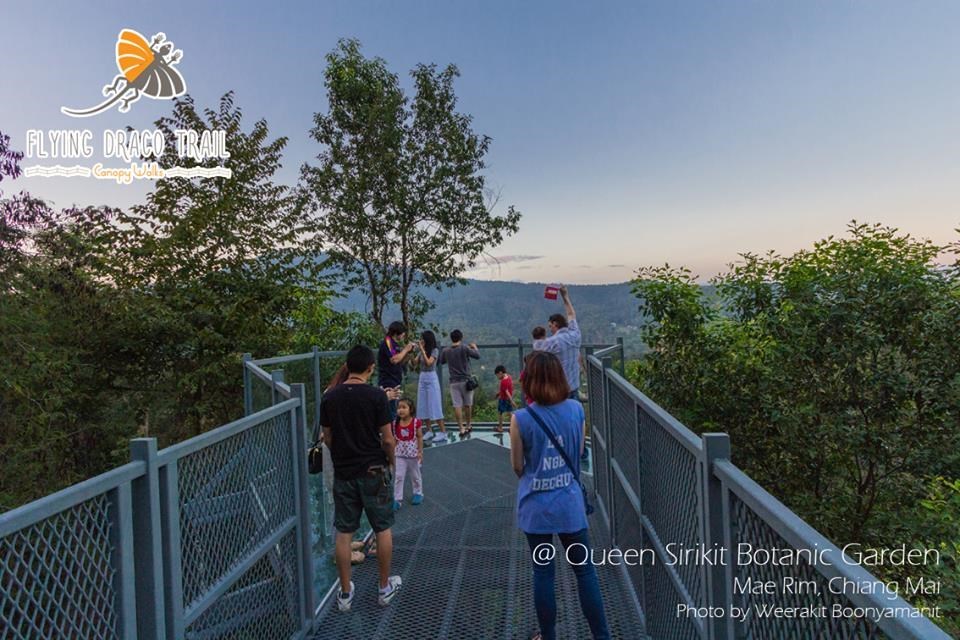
column 494, row 311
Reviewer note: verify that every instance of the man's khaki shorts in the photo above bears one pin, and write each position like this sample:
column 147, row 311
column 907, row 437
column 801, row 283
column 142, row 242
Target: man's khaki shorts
column 372, row 494
column 459, row 394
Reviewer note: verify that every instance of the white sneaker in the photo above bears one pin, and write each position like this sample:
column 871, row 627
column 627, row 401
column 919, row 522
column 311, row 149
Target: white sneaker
column 440, row 437
column 428, row 435
column 393, row 586
column 343, row 603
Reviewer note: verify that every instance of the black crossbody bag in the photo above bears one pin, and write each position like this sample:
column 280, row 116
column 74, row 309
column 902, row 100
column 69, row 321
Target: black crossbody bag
column 315, row 453
column 563, row 454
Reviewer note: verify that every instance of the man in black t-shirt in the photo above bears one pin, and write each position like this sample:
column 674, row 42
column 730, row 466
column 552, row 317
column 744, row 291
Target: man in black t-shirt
column 357, row 429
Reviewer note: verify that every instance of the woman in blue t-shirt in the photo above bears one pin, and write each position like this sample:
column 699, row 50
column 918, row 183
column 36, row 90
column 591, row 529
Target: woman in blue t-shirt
column 549, row 498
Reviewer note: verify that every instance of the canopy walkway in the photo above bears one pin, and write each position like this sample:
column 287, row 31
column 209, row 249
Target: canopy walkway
column 227, row 536
column 466, row 567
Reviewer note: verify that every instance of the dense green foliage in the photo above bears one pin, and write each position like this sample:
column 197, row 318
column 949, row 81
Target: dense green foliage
column 836, row 372
column 118, row 323
column 398, row 193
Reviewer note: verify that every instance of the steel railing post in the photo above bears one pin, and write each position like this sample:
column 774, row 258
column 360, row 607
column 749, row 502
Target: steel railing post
column 121, row 539
column 439, row 369
column 716, row 446
column 607, row 362
column 247, row 386
column 275, row 376
column 148, row 542
column 317, row 391
column 172, row 549
column 299, row 466
column 623, row 358
column 523, row 399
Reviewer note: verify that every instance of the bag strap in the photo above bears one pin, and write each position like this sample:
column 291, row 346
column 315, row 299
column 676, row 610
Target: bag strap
column 556, row 444
column 318, row 430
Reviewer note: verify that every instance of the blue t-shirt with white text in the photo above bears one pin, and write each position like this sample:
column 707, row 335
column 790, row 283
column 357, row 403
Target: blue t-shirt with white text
column 549, row 499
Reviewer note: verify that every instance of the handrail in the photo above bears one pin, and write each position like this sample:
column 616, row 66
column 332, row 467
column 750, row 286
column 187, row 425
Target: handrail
column 605, row 351
column 801, row 535
column 196, row 443
column 696, row 499
column 677, row 429
column 33, row 512
column 296, row 357
column 258, row 371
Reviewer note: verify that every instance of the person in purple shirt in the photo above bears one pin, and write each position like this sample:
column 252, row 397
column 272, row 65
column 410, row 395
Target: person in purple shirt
column 549, row 498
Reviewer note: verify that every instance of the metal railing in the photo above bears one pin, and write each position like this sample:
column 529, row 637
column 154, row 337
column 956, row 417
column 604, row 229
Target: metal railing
column 265, row 380
column 212, row 537
column 665, row 492
column 201, row 539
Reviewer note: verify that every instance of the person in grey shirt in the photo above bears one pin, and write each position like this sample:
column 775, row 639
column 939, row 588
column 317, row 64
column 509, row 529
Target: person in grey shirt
column 457, row 358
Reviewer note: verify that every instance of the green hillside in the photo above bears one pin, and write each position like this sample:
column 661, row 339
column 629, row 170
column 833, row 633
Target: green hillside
column 490, row 311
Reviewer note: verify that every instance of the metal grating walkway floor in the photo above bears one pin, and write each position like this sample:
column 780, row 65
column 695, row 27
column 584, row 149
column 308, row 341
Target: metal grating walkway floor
column 466, row 567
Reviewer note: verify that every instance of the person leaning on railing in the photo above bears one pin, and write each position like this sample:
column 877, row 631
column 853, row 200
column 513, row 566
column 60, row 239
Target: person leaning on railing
column 550, row 499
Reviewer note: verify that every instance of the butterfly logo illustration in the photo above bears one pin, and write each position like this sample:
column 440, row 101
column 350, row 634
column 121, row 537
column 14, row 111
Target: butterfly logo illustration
column 146, row 69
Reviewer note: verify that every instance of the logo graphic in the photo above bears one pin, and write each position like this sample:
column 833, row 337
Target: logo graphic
column 146, row 69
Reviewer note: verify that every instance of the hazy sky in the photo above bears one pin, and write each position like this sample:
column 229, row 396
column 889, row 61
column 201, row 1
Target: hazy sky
column 627, row 133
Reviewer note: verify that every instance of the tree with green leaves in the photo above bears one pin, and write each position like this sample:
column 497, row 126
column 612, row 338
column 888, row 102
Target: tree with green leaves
column 836, row 372
column 63, row 411
column 399, row 197
column 218, row 267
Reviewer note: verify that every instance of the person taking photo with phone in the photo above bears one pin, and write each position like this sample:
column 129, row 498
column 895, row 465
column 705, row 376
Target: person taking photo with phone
column 390, row 360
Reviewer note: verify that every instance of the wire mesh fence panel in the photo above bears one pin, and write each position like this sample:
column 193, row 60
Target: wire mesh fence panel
column 262, row 604
column 628, row 534
column 233, row 495
column 623, row 437
column 660, row 605
column 596, row 400
column 800, row 587
column 57, row 576
column 670, row 495
column 601, row 474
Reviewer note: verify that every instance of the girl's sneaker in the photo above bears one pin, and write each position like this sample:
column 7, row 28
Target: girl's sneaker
column 387, row 593
column 417, row 499
column 344, row 600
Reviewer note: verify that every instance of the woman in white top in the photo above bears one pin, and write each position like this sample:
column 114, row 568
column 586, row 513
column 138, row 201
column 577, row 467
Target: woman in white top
column 429, row 396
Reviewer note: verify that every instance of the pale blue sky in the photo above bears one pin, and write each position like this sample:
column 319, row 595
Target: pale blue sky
column 627, row 133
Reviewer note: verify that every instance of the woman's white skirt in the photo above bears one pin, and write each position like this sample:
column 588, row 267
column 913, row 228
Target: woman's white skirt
column 429, row 397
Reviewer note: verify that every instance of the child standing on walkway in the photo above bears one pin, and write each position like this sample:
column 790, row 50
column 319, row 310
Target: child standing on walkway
column 505, row 402
column 408, row 432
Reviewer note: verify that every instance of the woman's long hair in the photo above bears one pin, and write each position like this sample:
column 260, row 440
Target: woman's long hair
column 429, row 342
column 544, row 380
column 339, row 377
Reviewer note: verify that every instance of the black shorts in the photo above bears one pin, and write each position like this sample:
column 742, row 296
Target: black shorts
column 371, row 493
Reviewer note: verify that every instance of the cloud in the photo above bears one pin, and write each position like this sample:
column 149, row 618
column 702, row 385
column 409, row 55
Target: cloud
column 492, row 262
column 512, row 258
column 616, row 266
